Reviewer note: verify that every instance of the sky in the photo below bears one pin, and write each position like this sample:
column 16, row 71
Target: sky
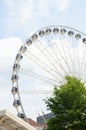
column 19, row 19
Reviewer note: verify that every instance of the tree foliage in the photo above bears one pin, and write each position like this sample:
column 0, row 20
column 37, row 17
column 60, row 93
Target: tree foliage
column 68, row 105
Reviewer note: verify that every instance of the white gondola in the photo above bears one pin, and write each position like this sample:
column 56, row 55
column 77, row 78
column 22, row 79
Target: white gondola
column 41, row 33
column 19, row 57
column 14, row 78
column 55, row 30
column 16, row 103
column 16, row 67
column 63, row 31
column 23, row 49
column 71, row 33
column 77, row 36
column 84, row 40
column 21, row 115
column 28, row 42
column 14, row 90
column 34, row 37
column 48, row 31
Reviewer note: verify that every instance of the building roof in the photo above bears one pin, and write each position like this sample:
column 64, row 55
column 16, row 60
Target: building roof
column 33, row 123
column 9, row 121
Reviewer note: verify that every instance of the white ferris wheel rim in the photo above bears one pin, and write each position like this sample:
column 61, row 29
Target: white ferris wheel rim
column 44, row 32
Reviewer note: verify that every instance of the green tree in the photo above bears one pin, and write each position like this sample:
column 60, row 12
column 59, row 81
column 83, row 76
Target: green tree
column 68, row 104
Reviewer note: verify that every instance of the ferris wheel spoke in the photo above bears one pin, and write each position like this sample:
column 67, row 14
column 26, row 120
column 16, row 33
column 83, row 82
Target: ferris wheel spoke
column 82, row 60
column 61, row 55
column 45, row 66
column 56, row 61
column 74, row 55
column 66, row 52
column 39, row 76
column 71, row 58
column 55, row 42
column 78, row 62
column 35, row 91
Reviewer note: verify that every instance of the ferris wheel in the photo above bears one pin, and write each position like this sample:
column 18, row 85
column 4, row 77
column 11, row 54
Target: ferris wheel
column 42, row 63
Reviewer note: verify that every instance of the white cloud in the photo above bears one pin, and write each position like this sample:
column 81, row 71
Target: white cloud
column 63, row 5
column 24, row 13
column 8, row 50
column 20, row 11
